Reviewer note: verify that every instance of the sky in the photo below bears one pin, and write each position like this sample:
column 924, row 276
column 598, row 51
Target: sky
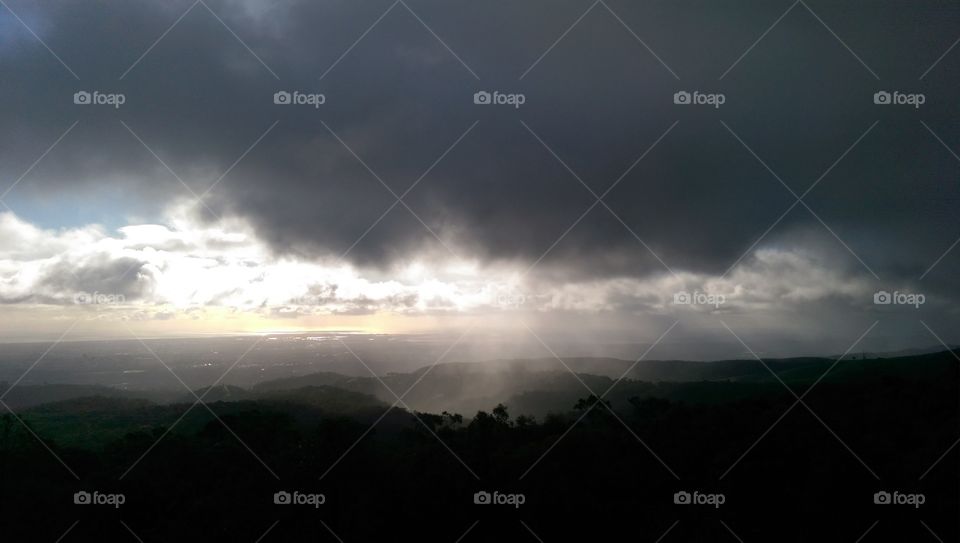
column 582, row 168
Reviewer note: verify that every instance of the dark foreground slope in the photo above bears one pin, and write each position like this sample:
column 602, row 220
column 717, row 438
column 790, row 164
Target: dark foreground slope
column 786, row 471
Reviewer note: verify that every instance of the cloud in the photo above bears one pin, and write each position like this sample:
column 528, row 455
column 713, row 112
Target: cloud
column 222, row 276
column 399, row 100
column 503, row 214
column 195, row 265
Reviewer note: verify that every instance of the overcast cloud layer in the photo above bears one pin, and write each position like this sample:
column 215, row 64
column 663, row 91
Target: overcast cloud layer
column 694, row 197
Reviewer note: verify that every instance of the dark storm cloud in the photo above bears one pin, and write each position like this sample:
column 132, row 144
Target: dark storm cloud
column 124, row 278
column 599, row 99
